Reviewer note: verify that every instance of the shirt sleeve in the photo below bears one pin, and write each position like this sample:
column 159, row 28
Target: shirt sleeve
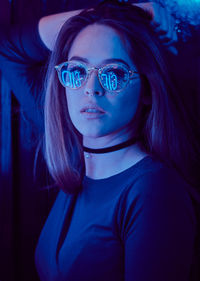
column 23, row 58
column 158, row 229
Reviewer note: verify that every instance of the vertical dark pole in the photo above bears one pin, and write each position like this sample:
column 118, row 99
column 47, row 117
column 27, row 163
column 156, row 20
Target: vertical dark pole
column 6, row 173
column 6, row 187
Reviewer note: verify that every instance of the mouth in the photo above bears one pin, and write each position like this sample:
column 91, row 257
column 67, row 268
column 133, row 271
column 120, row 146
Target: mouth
column 92, row 111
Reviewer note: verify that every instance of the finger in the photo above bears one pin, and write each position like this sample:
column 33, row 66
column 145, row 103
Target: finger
column 166, row 29
column 171, row 32
column 161, row 17
column 155, row 10
column 163, row 24
column 173, row 50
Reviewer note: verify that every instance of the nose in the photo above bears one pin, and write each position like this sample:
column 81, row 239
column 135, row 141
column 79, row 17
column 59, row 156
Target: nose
column 93, row 86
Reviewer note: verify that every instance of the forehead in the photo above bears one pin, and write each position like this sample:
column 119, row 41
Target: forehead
column 97, row 43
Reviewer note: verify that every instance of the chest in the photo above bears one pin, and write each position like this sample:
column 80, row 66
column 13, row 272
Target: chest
column 83, row 244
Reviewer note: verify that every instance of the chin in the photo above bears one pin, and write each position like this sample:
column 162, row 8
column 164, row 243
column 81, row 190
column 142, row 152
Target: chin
column 91, row 131
column 92, row 134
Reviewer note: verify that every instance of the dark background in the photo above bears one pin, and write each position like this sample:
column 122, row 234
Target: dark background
column 24, row 203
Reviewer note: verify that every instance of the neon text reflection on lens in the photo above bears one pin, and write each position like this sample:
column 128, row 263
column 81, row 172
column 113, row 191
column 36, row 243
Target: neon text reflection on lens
column 109, row 81
column 71, row 79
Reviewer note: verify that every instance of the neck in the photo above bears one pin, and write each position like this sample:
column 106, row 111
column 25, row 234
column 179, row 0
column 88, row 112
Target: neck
column 103, row 165
column 111, row 148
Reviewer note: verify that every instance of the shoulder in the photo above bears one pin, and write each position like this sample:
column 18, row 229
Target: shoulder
column 156, row 177
column 157, row 191
column 156, row 220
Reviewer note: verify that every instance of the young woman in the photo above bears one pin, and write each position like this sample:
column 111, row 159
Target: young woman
column 120, row 145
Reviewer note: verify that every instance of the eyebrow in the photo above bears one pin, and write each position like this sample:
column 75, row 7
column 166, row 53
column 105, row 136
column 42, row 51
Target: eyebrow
column 104, row 61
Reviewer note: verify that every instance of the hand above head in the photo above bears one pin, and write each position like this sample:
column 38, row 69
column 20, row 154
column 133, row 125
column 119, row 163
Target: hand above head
column 164, row 23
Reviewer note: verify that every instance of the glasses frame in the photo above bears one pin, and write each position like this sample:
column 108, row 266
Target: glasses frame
column 130, row 73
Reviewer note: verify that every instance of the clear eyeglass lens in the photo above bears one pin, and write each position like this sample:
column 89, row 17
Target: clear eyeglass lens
column 73, row 75
column 114, row 77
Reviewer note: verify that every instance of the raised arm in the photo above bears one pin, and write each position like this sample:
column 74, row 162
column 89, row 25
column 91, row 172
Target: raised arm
column 49, row 26
column 22, row 63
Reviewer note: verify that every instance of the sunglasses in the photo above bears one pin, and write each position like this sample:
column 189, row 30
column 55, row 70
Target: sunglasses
column 113, row 77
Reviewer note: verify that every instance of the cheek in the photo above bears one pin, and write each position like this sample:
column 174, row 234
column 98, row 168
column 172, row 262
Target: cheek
column 129, row 100
column 72, row 104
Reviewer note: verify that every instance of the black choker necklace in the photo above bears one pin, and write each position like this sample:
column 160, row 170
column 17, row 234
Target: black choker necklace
column 111, row 148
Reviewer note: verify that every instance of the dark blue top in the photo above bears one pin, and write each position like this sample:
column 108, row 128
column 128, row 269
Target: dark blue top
column 138, row 225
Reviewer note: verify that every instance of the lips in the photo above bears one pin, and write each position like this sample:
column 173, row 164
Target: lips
column 92, row 109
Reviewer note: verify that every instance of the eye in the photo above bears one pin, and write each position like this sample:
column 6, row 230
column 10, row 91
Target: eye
column 117, row 70
column 76, row 68
column 73, row 75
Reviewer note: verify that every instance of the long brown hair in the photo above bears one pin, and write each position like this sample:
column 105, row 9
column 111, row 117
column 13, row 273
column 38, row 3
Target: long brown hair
column 166, row 129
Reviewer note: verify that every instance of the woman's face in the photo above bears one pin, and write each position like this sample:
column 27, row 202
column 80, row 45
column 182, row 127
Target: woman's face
column 93, row 111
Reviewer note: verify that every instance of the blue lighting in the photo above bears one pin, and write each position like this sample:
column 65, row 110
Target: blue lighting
column 186, row 10
column 188, row 2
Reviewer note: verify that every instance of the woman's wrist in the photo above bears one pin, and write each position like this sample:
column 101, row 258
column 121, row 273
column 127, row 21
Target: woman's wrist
column 49, row 26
